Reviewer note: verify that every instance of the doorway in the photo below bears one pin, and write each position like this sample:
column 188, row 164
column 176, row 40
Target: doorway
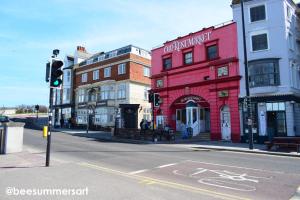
column 192, row 117
column 129, row 113
column 276, row 124
column 225, row 123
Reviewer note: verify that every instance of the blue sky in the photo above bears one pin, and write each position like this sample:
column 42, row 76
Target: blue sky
column 31, row 29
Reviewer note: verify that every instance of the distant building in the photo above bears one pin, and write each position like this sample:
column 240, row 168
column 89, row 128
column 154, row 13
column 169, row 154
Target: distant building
column 7, row 111
column 113, row 83
column 64, row 104
column 273, row 50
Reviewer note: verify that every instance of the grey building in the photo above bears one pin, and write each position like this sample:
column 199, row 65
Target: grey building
column 273, row 50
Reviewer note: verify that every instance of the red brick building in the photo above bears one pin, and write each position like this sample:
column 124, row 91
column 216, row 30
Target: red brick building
column 113, row 84
column 197, row 78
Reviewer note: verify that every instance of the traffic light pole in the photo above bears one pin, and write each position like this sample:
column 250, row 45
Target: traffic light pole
column 248, row 99
column 50, row 127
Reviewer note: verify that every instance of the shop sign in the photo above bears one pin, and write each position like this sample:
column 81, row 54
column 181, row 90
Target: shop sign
column 102, row 103
column 192, row 41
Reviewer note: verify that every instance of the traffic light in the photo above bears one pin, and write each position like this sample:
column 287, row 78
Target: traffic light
column 56, row 72
column 47, row 71
column 156, row 99
column 37, row 107
column 150, row 97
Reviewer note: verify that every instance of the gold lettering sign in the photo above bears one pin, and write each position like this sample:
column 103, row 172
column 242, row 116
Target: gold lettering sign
column 190, row 98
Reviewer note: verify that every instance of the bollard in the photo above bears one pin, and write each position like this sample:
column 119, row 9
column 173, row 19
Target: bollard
column 45, row 131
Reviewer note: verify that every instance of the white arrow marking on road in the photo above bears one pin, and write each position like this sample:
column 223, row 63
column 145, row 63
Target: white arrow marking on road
column 168, row 165
column 138, row 172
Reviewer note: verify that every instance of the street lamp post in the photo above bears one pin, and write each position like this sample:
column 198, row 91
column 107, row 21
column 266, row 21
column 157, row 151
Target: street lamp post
column 248, row 99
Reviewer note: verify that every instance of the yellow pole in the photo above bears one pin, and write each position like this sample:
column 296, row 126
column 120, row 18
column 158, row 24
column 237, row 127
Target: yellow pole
column 45, row 131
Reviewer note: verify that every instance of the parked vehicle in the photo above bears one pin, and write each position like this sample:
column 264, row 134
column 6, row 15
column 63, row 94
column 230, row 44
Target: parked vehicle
column 4, row 118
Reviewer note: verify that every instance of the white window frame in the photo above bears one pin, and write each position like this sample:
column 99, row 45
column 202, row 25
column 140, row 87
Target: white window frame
column 289, row 8
column 96, row 74
column 69, row 76
column 122, row 68
column 259, row 33
column 146, row 93
column 146, row 71
column 122, row 91
column 256, row 5
column 107, row 72
column 89, row 61
column 84, row 77
column 291, row 41
column 81, row 95
column 107, row 92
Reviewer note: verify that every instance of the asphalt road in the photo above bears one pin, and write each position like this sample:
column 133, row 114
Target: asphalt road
column 171, row 171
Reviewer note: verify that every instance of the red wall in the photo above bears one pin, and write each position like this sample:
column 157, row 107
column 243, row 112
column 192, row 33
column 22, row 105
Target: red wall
column 183, row 80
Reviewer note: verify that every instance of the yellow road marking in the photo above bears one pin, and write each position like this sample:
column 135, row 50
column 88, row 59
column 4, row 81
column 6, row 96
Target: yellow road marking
column 147, row 180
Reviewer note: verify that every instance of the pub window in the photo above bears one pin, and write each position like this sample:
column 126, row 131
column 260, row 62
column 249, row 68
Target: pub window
column 259, row 42
column 212, row 52
column 159, row 83
column 167, row 63
column 264, row 73
column 188, row 58
column 257, row 13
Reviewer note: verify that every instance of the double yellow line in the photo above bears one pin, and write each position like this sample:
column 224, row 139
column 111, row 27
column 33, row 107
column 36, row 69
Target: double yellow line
column 150, row 181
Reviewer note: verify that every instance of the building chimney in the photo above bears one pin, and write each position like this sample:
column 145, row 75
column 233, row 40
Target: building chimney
column 80, row 48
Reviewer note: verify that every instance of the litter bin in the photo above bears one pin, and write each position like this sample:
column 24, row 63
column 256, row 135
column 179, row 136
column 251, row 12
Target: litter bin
column 2, row 140
column 11, row 137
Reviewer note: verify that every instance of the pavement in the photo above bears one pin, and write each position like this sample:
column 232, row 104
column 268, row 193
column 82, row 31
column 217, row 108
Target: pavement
column 196, row 144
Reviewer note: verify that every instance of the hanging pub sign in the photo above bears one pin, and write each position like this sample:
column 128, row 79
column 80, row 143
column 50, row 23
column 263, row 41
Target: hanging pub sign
column 189, row 42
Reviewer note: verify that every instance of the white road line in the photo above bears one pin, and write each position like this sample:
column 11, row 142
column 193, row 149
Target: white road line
column 138, row 172
column 232, row 166
column 167, row 165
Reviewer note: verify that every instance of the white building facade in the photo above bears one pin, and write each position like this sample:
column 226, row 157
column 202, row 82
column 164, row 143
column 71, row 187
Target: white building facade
column 273, row 51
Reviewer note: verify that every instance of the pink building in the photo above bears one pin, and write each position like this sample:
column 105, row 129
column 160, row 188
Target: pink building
column 197, row 78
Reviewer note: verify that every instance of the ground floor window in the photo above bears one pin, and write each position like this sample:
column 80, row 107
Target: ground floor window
column 104, row 116
column 147, row 114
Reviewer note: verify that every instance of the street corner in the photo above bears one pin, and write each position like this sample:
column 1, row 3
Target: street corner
column 22, row 159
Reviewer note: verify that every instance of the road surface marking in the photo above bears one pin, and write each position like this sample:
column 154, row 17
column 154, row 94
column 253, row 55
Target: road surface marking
column 169, row 184
column 263, row 154
column 147, row 182
column 138, row 172
column 167, row 165
column 232, row 166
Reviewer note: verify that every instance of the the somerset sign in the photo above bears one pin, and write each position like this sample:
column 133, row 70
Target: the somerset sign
column 196, row 40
